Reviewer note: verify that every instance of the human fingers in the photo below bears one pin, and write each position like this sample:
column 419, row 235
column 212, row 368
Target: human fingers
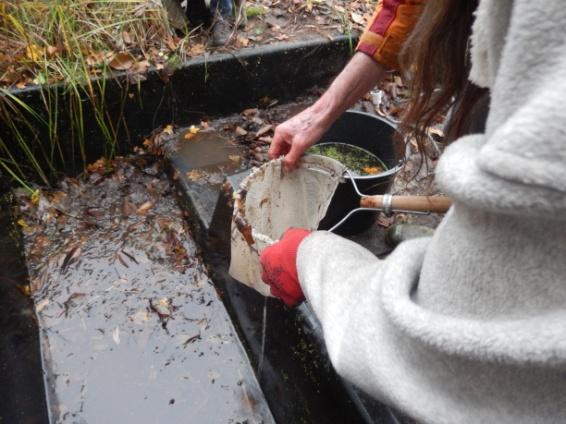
column 297, row 149
column 280, row 144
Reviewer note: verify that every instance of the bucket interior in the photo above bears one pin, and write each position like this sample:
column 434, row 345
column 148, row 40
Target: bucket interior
column 377, row 136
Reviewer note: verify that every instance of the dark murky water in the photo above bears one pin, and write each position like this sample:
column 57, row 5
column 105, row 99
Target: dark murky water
column 132, row 329
column 22, row 394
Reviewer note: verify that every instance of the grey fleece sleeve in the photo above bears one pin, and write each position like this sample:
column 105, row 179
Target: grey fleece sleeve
column 469, row 326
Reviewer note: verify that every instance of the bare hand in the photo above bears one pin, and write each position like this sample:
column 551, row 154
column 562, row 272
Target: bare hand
column 294, row 136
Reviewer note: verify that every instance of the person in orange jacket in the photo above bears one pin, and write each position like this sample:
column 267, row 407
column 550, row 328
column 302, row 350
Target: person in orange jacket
column 376, row 53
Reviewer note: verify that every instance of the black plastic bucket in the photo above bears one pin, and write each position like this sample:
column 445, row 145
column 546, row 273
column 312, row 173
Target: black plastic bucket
column 377, row 136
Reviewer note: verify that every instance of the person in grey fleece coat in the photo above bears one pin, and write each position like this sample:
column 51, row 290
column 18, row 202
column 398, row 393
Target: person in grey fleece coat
column 468, row 326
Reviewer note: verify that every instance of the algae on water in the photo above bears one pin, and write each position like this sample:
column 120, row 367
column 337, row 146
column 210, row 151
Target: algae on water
column 358, row 160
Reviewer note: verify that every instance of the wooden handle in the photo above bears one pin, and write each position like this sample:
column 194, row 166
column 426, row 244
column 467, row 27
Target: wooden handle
column 437, row 204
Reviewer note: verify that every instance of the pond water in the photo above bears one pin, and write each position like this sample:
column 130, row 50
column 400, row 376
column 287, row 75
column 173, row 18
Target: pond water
column 131, row 328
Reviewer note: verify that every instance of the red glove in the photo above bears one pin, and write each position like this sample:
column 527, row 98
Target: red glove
column 279, row 263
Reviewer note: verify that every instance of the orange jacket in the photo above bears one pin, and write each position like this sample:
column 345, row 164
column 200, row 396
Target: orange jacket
column 390, row 26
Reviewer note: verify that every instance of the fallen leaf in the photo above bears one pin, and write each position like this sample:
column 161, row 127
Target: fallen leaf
column 197, row 49
column 128, row 208
column 121, row 260
column 71, row 257
column 52, row 51
column 240, row 131
column 126, row 37
column 264, row 130
column 234, row 158
column 194, row 175
column 40, row 305
column 250, row 113
column 34, row 52
column 122, row 61
column 243, row 41
column 266, row 140
column 357, row 18
column 145, row 207
column 139, row 67
column 193, row 130
column 116, row 335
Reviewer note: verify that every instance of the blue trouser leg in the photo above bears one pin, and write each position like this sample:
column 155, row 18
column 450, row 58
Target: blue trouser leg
column 224, row 7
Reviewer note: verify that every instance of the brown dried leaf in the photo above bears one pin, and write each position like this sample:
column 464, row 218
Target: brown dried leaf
column 196, row 50
column 71, row 257
column 240, row 131
column 145, row 207
column 264, row 130
column 122, row 61
column 128, row 208
column 139, row 67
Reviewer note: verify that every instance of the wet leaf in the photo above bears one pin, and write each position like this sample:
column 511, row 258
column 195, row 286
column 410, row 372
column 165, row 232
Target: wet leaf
column 121, row 260
column 128, row 208
column 72, row 256
column 116, row 335
column 122, row 61
column 190, row 339
column 40, row 305
column 162, row 307
column 131, row 257
column 145, row 207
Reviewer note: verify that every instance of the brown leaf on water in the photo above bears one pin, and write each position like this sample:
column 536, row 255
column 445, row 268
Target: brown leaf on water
column 71, row 257
column 122, row 61
column 131, row 257
column 128, row 208
column 145, row 207
column 121, row 260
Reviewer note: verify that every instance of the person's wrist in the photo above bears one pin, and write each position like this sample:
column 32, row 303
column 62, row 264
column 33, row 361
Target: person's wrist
column 325, row 110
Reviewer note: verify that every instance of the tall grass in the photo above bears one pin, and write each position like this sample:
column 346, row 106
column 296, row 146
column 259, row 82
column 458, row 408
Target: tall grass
column 68, row 47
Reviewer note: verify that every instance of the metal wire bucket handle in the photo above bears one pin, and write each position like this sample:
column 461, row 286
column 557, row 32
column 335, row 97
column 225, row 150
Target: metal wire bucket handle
column 420, row 205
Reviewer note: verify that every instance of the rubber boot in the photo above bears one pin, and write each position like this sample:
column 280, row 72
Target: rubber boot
column 401, row 232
